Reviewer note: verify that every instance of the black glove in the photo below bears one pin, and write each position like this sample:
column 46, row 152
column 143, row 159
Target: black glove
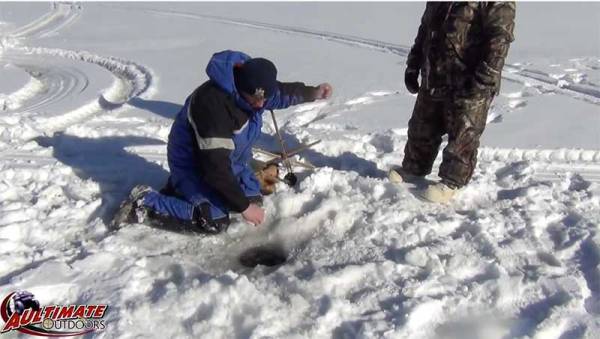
column 411, row 80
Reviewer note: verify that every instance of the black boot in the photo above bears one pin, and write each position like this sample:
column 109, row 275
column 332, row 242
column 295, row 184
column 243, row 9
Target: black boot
column 201, row 224
column 131, row 210
column 204, row 222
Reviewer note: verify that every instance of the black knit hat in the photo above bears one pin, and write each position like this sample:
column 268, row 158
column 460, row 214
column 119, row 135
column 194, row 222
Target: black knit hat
column 256, row 74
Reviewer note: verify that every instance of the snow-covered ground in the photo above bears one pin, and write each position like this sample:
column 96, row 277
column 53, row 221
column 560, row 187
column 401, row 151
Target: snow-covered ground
column 87, row 95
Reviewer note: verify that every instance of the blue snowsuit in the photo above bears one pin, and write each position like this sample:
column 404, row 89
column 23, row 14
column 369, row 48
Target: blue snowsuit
column 210, row 143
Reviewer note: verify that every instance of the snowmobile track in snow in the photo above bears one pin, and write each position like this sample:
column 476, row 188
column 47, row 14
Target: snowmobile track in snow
column 515, row 73
column 61, row 15
column 46, row 85
column 551, row 165
column 131, row 79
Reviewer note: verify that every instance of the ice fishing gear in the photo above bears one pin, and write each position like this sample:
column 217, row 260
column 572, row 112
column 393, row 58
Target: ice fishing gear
column 290, row 178
column 267, row 171
column 278, row 158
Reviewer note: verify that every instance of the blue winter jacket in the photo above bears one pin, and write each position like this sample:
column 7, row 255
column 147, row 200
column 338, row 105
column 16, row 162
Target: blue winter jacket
column 210, row 143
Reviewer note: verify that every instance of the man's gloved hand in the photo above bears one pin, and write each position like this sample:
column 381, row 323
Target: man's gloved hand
column 254, row 214
column 268, row 178
column 411, row 80
column 324, row 91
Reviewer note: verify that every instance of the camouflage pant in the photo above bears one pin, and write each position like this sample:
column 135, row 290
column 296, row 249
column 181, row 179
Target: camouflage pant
column 463, row 118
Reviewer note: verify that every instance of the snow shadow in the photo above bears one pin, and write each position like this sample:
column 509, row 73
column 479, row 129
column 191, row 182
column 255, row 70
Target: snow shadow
column 164, row 109
column 533, row 314
column 589, row 262
column 6, row 279
column 346, row 161
column 574, row 333
column 105, row 161
column 396, row 314
column 348, row 330
column 108, row 105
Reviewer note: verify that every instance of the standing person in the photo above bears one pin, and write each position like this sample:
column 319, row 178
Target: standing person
column 210, row 146
column 459, row 51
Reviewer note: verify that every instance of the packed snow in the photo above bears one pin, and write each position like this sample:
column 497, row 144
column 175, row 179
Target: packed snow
column 87, row 96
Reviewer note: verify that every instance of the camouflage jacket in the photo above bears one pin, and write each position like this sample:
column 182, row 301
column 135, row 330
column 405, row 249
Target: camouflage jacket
column 461, row 46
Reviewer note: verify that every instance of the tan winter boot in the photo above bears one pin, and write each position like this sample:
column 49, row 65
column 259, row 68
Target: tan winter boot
column 438, row 193
column 398, row 175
